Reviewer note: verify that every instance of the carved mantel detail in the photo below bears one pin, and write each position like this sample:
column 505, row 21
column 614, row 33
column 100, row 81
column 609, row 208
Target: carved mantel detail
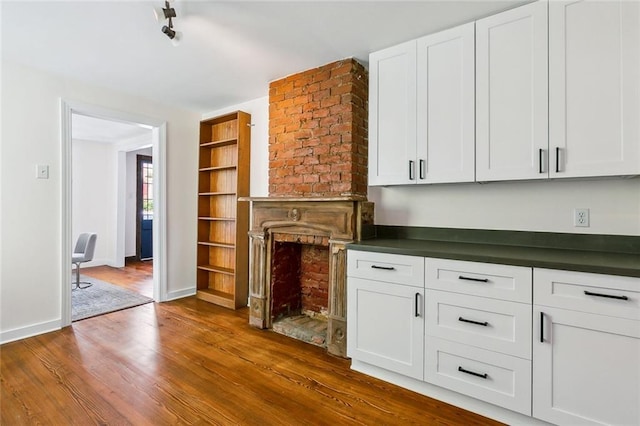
column 339, row 219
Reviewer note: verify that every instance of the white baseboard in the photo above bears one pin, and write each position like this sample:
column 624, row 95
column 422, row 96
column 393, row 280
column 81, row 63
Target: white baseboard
column 29, row 331
column 179, row 294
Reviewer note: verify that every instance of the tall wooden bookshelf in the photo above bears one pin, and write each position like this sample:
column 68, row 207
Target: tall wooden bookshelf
column 223, row 222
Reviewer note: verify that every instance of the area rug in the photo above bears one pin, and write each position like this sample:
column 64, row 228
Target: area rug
column 102, row 298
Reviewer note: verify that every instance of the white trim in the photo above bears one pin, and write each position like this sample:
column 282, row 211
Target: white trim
column 29, row 331
column 159, row 134
column 179, row 294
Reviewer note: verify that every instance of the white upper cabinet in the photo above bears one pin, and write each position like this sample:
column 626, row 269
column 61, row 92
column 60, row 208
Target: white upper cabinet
column 511, row 95
column 392, row 115
column 594, row 88
column 421, row 110
column 446, row 93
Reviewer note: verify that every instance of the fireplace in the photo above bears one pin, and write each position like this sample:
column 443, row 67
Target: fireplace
column 316, row 205
column 281, row 230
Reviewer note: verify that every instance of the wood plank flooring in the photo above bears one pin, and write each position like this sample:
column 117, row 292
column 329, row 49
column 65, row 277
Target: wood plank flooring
column 191, row 362
column 135, row 276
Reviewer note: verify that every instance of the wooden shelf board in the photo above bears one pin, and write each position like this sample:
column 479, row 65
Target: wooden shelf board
column 213, row 169
column 209, row 194
column 216, row 244
column 222, row 219
column 219, row 269
column 223, row 142
column 217, row 297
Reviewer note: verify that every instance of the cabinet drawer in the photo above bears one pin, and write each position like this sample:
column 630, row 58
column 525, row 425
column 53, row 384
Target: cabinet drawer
column 489, row 376
column 490, row 324
column 393, row 268
column 502, row 282
column 585, row 292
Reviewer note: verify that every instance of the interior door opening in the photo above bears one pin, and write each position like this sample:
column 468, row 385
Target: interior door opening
column 144, row 208
column 113, row 235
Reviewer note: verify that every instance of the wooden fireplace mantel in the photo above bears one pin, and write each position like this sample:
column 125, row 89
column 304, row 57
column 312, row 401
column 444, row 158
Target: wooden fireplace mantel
column 340, row 219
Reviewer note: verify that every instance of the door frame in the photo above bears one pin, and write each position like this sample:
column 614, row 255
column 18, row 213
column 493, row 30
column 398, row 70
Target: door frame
column 139, row 160
column 159, row 141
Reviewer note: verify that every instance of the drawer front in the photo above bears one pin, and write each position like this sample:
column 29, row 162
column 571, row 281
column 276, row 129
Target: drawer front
column 502, row 282
column 594, row 293
column 490, row 324
column 489, row 376
column 393, row 268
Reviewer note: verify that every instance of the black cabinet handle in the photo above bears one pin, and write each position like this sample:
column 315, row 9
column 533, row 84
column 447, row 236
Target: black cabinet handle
column 484, row 324
column 421, row 164
column 412, row 166
column 386, row 268
column 473, row 373
column 481, row 280
column 557, row 159
column 609, row 296
column 417, row 304
column 541, row 327
column 540, row 152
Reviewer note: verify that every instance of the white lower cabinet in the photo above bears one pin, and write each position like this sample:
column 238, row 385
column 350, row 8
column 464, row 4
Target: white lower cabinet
column 386, row 327
column 487, row 375
column 586, row 368
column 565, row 350
column 586, row 348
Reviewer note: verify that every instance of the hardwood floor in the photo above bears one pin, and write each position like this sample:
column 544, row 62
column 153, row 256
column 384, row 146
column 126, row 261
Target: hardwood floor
column 135, row 276
column 191, row 362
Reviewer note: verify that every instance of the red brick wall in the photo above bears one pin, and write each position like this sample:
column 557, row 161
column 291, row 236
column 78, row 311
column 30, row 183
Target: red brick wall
column 318, row 132
column 299, row 275
column 314, row 278
column 285, row 280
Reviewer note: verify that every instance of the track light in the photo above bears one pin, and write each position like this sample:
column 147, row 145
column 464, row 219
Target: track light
column 167, row 12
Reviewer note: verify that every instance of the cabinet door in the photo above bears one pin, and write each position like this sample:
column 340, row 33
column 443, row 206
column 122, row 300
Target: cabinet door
column 446, row 96
column 511, row 94
column 586, row 368
column 385, row 325
column 594, row 87
column 392, row 115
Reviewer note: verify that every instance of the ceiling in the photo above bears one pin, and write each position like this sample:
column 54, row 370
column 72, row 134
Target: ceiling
column 99, row 130
column 230, row 50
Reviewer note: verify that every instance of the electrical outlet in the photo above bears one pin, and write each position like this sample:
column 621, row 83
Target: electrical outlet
column 581, row 217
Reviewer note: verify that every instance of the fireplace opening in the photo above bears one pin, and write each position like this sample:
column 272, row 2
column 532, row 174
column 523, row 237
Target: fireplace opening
column 300, row 288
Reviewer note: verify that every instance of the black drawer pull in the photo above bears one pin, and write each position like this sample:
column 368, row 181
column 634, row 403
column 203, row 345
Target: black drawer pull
column 557, row 159
column 484, row 324
column 421, row 168
column 480, row 280
column 473, row 373
column 412, row 172
column 608, row 296
column 386, row 268
column 541, row 327
column 417, row 304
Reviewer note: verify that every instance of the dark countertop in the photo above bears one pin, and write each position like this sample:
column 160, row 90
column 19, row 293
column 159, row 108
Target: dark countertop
column 572, row 259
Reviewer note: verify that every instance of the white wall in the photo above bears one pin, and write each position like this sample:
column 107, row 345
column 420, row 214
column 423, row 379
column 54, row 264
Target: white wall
column 31, row 223
column 614, row 205
column 259, row 110
column 131, row 196
column 93, row 195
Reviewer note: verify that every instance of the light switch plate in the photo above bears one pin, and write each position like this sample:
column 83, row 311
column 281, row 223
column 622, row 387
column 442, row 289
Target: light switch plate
column 42, row 171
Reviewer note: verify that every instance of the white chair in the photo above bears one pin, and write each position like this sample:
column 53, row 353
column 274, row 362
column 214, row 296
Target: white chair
column 83, row 252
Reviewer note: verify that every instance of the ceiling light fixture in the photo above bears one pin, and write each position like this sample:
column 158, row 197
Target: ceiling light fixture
column 167, row 12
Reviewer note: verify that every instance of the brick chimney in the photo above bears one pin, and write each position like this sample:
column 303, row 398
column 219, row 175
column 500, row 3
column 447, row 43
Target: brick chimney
column 318, row 132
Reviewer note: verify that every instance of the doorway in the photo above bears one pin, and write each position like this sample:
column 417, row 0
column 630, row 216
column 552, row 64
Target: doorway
column 157, row 207
column 144, row 210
